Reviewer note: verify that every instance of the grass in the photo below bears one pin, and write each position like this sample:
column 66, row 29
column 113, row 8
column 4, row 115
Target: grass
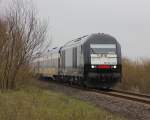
column 136, row 76
column 34, row 103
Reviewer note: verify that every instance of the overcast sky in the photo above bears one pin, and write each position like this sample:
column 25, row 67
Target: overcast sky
column 127, row 20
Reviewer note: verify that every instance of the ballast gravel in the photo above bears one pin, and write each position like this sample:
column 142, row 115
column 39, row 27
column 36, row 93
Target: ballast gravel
column 127, row 108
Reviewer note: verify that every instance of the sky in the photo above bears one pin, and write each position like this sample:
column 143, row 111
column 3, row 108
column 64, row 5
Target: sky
column 127, row 20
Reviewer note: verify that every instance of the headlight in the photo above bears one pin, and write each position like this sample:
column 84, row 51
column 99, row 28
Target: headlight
column 115, row 67
column 92, row 66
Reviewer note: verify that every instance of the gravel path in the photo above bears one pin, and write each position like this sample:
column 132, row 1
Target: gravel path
column 129, row 109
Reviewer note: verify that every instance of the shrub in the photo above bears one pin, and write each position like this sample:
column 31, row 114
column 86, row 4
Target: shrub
column 136, row 75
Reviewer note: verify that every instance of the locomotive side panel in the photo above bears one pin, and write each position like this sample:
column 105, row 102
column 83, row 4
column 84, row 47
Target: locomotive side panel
column 73, row 65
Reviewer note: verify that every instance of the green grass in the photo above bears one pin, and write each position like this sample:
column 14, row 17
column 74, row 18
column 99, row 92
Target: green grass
column 35, row 103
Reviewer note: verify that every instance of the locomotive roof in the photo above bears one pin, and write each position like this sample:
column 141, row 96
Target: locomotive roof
column 103, row 38
column 98, row 36
column 53, row 50
column 83, row 39
column 76, row 41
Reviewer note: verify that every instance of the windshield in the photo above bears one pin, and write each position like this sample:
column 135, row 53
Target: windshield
column 103, row 48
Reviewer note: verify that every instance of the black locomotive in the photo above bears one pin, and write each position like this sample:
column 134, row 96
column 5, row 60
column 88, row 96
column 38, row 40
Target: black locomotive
column 93, row 61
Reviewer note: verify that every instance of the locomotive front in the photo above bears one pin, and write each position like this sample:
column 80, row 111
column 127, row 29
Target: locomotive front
column 103, row 61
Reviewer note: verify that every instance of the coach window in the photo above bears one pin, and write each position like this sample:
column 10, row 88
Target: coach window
column 74, row 57
column 63, row 59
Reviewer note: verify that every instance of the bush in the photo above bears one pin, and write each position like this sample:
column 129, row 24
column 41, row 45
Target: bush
column 136, row 75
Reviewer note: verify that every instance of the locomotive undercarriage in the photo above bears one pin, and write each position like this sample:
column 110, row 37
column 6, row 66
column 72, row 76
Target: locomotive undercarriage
column 100, row 81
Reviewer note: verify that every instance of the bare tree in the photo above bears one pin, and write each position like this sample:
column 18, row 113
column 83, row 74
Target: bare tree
column 3, row 43
column 25, row 35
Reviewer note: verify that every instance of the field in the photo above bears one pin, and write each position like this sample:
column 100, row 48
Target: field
column 36, row 103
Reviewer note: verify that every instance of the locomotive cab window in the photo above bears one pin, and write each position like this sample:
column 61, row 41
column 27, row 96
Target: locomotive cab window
column 103, row 54
column 103, row 48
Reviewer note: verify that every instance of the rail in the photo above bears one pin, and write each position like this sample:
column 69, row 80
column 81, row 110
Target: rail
column 140, row 98
column 129, row 96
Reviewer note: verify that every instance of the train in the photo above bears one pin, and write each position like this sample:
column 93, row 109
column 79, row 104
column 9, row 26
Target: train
column 93, row 61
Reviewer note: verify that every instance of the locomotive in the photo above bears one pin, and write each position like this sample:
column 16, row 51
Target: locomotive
column 92, row 61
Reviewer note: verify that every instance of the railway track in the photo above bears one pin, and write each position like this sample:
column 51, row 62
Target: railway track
column 135, row 94
column 140, row 98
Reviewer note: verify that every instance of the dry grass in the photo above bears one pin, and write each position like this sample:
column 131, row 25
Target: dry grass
column 136, row 76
